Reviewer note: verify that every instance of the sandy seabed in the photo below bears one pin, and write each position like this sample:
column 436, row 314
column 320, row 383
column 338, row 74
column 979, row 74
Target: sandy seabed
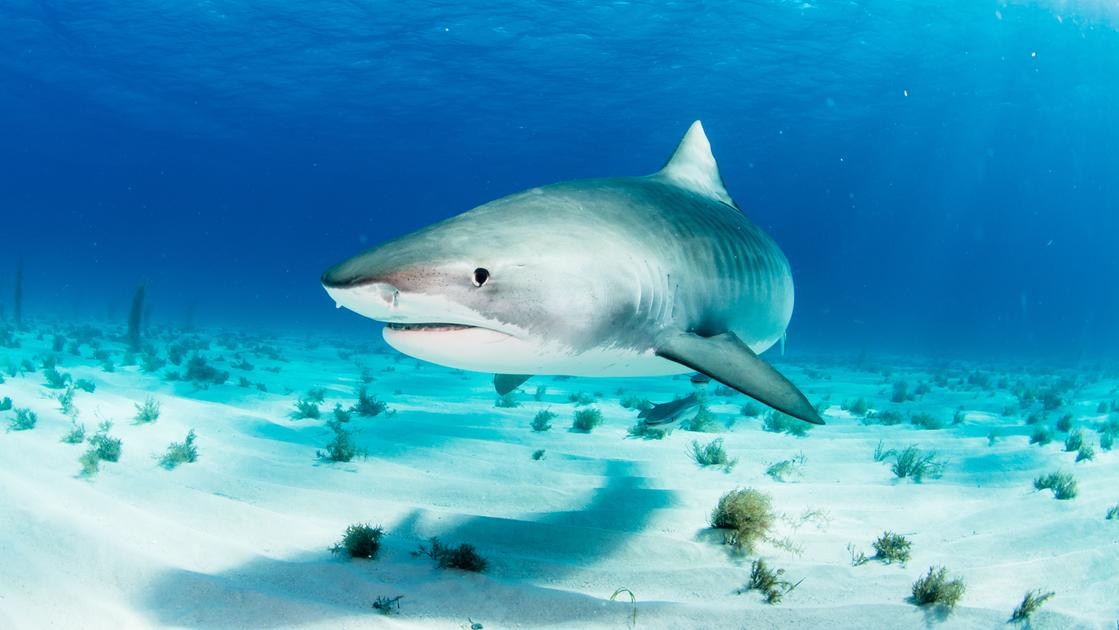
column 241, row 538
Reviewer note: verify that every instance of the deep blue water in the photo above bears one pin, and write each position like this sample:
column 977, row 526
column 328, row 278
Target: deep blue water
column 942, row 175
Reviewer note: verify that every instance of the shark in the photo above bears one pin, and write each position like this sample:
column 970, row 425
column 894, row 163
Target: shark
column 648, row 275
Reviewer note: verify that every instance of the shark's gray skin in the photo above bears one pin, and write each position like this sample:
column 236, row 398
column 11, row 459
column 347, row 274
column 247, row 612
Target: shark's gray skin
column 627, row 276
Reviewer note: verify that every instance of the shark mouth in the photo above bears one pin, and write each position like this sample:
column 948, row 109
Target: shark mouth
column 434, row 327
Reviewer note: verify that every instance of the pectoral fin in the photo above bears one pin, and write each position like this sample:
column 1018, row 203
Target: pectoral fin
column 728, row 360
column 505, row 383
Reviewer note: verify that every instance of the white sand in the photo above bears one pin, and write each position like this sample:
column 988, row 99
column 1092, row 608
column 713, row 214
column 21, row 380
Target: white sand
column 239, row 539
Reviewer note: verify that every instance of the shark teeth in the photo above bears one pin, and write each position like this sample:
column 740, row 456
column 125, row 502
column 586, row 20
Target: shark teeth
column 433, row 327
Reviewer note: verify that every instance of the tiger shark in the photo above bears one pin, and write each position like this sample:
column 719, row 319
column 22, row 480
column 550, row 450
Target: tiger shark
column 627, row 276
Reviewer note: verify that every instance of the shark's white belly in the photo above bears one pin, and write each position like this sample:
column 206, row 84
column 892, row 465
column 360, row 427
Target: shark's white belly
column 484, row 350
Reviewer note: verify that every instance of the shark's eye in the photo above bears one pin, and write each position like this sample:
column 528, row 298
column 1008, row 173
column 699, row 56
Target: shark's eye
column 481, row 274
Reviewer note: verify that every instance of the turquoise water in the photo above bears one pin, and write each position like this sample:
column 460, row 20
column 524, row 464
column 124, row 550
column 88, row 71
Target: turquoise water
column 940, row 177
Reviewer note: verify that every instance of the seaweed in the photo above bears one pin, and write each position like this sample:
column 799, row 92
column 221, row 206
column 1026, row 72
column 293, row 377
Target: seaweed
column 890, row 548
column 1033, row 601
column 56, row 379
column 25, row 420
column 341, row 448
column 926, row 420
column 780, row 422
column 148, row 412
column 786, row 469
column 916, row 464
column 1041, row 435
column 1062, row 484
column 507, row 401
column 712, row 454
column 184, row 452
column 305, row 409
column 368, row 406
column 768, row 582
column 746, row 515
column 387, row 605
column 586, row 420
column 464, row 557
column 542, row 421
column 76, row 434
column 361, row 540
column 936, row 588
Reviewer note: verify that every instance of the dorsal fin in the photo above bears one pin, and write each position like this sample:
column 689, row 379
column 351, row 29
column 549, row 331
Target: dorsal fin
column 693, row 167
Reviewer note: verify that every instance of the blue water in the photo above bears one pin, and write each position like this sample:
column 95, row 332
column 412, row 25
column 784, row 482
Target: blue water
column 941, row 175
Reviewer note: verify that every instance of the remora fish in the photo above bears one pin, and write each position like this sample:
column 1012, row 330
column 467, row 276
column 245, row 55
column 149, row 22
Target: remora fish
column 626, row 276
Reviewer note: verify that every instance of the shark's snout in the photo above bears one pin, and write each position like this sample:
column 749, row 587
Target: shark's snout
column 339, row 277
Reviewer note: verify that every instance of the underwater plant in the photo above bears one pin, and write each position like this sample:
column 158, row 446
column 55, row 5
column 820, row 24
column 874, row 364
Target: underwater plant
column 926, row 420
column 1074, row 441
column 1041, row 435
column 305, row 409
column 702, row 422
column 751, row 410
column 152, row 362
column 200, row 372
column 85, row 385
column 184, row 452
column 1030, row 604
column 542, row 421
column 66, row 402
column 102, row 447
column 341, row 414
column 786, row 468
column 936, row 588
column 1113, row 513
column 108, row 448
column 768, row 582
column 25, row 420
column 712, row 454
column 56, row 379
column 464, row 557
column 1062, row 484
column 916, row 464
column 341, row 448
column 5, row 403
column 368, row 406
column 891, row 548
column 76, row 434
column 586, row 420
column 888, row 417
column 387, row 605
column 746, row 515
column 361, row 540
column 538, row 454
column 857, row 407
column 581, row 399
column 1086, row 453
column 148, row 412
column 632, row 402
column 780, row 422
column 1064, row 425
column 507, row 401
column 316, row 395
column 648, row 432
column 900, row 392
